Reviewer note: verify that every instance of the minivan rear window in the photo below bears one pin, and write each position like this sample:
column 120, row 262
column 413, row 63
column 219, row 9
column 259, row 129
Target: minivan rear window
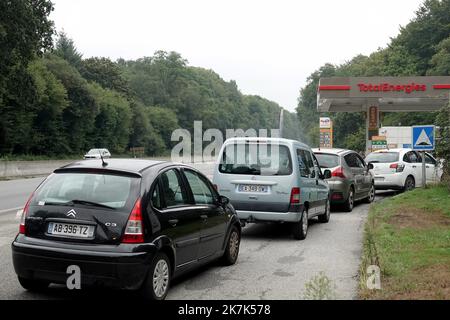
column 382, row 157
column 256, row 159
column 113, row 191
column 327, row 160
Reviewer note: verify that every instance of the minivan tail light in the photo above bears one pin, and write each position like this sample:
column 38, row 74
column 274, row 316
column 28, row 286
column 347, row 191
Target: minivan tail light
column 22, row 227
column 134, row 231
column 338, row 173
column 295, row 195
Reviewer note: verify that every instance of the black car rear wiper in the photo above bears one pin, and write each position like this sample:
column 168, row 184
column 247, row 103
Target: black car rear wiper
column 90, row 203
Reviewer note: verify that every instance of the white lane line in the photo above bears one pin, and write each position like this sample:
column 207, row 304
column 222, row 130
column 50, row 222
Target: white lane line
column 8, row 210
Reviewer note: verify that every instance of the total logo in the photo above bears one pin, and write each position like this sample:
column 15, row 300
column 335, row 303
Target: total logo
column 387, row 87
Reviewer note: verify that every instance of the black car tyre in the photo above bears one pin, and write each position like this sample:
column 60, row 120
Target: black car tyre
column 349, row 204
column 300, row 229
column 156, row 286
column 231, row 253
column 410, row 184
column 371, row 197
column 325, row 218
column 33, row 285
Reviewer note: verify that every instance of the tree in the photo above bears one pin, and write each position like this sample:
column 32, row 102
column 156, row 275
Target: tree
column 112, row 123
column 142, row 132
column 65, row 49
column 440, row 63
column 50, row 103
column 79, row 116
column 106, row 73
column 164, row 122
column 443, row 143
column 22, row 37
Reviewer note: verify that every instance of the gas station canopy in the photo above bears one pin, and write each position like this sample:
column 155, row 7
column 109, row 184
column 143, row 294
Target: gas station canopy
column 389, row 94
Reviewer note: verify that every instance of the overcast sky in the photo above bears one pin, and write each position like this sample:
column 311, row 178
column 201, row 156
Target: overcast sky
column 268, row 47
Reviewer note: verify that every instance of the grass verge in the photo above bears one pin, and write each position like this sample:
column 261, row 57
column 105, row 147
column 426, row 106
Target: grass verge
column 408, row 237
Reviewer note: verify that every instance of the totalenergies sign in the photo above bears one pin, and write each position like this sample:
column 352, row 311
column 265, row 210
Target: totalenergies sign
column 387, row 87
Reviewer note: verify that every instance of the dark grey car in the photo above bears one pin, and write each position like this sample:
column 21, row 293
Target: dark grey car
column 351, row 178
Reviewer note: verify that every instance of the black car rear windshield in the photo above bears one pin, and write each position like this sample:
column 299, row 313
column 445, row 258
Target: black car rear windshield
column 106, row 190
column 327, row 161
column 382, row 157
column 256, row 159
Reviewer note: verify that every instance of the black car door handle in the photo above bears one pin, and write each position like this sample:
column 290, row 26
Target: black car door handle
column 204, row 216
column 173, row 222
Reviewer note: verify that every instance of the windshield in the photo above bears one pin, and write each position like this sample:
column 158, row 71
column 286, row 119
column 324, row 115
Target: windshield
column 382, row 157
column 256, row 159
column 327, row 161
column 98, row 190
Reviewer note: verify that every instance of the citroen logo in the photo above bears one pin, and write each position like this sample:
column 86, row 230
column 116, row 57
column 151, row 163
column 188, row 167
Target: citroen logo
column 72, row 213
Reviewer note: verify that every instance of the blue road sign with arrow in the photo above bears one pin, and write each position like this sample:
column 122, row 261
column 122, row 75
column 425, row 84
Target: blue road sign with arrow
column 423, row 138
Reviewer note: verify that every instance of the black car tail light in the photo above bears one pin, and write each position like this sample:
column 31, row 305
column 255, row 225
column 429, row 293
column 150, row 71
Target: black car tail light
column 134, row 231
column 22, row 227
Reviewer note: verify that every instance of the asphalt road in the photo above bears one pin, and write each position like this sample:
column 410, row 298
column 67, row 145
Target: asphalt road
column 271, row 264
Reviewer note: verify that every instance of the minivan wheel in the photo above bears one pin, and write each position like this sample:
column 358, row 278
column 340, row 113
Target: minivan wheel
column 231, row 253
column 349, row 204
column 33, row 285
column 300, row 229
column 410, row 184
column 325, row 218
column 156, row 286
column 371, row 197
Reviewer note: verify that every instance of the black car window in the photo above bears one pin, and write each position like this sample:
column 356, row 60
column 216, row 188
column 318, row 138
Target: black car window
column 156, row 197
column 115, row 191
column 200, row 190
column 172, row 190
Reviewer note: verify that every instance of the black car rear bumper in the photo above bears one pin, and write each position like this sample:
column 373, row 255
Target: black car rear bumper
column 124, row 268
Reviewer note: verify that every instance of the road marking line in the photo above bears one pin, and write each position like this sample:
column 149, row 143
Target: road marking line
column 12, row 209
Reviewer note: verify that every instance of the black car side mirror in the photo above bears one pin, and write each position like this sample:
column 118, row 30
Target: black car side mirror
column 326, row 174
column 223, row 201
column 370, row 166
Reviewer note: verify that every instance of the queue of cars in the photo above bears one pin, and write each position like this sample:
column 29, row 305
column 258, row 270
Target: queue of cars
column 138, row 224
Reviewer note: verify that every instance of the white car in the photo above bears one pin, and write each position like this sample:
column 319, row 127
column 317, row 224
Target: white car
column 95, row 154
column 401, row 169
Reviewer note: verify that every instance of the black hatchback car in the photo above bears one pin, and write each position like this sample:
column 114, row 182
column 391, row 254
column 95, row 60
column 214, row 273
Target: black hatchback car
column 128, row 224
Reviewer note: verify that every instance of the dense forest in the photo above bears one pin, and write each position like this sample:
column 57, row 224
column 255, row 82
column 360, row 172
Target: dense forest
column 53, row 102
column 421, row 48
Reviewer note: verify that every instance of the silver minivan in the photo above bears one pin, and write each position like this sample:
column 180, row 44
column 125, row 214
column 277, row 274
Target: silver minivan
column 273, row 179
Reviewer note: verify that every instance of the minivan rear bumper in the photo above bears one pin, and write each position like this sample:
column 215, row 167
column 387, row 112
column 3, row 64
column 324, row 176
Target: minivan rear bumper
column 261, row 216
column 121, row 269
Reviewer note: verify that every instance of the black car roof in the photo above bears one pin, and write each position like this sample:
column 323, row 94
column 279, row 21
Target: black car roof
column 132, row 166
